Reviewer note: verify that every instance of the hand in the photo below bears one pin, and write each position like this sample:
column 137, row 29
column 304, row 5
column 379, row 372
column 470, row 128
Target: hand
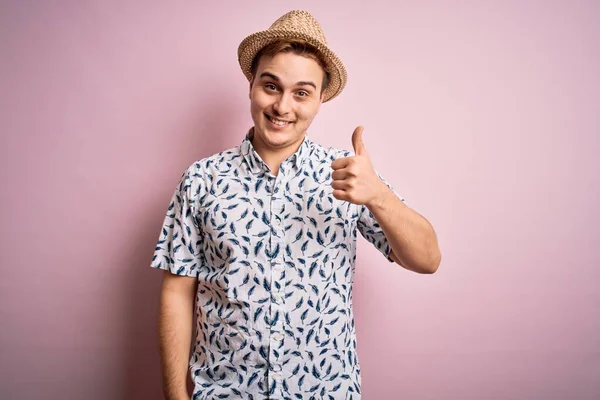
column 354, row 178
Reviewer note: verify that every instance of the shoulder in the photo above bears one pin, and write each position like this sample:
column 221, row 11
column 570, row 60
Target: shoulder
column 224, row 159
column 202, row 172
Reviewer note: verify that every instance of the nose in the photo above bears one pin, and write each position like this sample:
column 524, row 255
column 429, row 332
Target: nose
column 283, row 104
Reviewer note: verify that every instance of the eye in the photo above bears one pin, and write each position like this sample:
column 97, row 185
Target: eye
column 270, row 86
column 303, row 93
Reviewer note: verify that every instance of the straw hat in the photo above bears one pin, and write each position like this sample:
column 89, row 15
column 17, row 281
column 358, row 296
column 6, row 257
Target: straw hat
column 295, row 25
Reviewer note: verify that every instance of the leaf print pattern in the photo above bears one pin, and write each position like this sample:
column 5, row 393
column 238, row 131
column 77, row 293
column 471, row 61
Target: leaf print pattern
column 274, row 258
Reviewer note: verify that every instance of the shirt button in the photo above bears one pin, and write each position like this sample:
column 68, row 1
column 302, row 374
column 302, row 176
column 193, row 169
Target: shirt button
column 278, row 296
column 278, row 336
column 276, row 368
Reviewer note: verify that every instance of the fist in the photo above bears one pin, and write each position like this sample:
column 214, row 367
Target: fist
column 354, row 179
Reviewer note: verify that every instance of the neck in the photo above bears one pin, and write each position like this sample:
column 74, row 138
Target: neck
column 273, row 157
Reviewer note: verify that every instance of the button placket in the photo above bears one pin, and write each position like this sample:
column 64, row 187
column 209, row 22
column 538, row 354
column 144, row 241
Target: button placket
column 277, row 279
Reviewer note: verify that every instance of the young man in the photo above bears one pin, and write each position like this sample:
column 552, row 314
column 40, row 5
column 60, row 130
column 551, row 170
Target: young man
column 260, row 239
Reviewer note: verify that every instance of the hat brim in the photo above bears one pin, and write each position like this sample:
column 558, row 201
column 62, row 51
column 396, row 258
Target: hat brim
column 251, row 45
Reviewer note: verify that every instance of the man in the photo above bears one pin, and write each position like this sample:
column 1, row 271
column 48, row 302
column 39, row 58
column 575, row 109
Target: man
column 260, row 239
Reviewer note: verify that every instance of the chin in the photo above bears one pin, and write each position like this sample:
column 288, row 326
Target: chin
column 280, row 139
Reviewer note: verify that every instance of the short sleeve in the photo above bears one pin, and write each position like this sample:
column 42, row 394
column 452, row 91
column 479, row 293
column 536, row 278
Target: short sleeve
column 370, row 229
column 179, row 247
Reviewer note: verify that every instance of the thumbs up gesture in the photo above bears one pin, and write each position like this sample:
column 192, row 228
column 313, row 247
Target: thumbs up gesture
column 354, row 179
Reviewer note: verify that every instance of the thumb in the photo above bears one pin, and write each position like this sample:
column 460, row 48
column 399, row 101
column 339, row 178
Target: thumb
column 357, row 142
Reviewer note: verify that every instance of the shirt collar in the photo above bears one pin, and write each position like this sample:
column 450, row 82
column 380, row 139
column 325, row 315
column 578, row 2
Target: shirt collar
column 257, row 165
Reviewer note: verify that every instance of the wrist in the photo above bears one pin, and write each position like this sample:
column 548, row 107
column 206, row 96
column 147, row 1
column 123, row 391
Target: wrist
column 380, row 198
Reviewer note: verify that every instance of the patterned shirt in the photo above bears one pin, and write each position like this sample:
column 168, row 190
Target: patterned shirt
column 274, row 258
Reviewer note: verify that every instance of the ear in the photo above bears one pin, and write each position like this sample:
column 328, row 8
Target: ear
column 250, row 88
column 321, row 101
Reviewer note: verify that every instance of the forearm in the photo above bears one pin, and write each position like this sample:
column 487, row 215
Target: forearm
column 175, row 335
column 410, row 235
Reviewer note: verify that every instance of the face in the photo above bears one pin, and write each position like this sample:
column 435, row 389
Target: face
column 285, row 96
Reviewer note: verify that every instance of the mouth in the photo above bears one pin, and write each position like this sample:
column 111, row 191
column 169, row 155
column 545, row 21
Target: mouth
column 278, row 122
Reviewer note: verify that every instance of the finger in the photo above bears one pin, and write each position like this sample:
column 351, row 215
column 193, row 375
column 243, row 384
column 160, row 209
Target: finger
column 340, row 174
column 357, row 142
column 340, row 163
column 341, row 195
column 340, row 185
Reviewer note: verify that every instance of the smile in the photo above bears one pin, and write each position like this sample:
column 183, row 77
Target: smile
column 277, row 122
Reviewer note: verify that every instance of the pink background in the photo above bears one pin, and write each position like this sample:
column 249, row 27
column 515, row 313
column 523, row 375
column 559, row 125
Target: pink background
column 484, row 115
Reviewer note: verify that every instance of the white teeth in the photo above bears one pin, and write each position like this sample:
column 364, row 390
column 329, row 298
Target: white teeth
column 278, row 122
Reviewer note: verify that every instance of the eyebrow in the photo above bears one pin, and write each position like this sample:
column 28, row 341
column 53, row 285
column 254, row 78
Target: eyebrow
column 276, row 78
